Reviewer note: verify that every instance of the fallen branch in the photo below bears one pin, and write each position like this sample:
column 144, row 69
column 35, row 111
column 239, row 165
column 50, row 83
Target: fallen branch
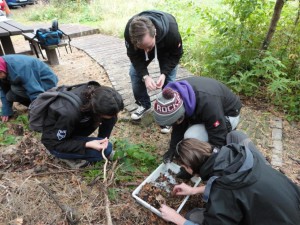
column 66, row 210
column 107, row 203
column 296, row 160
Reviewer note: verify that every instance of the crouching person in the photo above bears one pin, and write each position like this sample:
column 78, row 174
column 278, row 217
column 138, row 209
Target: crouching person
column 22, row 79
column 66, row 129
column 241, row 187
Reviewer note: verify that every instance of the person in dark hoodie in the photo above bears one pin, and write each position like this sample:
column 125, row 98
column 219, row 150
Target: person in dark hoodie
column 241, row 188
column 151, row 35
column 22, row 79
column 67, row 128
column 197, row 107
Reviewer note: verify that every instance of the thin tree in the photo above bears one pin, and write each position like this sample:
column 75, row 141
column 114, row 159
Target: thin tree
column 275, row 18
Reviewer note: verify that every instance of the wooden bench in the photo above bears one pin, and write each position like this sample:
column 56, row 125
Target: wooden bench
column 50, row 50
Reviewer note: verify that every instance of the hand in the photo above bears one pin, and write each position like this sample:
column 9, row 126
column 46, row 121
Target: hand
column 170, row 214
column 4, row 118
column 168, row 156
column 183, row 189
column 150, row 83
column 97, row 144
column 160, row 82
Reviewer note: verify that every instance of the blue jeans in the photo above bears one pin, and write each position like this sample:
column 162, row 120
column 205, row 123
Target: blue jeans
column 139, row 88
column 90, row 155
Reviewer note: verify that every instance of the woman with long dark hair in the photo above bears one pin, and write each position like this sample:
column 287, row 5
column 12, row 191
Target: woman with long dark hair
column 66, row 129
column 241, row 187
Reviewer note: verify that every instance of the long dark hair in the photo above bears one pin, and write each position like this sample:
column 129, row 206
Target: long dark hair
column 193, row 153
column 102, row 100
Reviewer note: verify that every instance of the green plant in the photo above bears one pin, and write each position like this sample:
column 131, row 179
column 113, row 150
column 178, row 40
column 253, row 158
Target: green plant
column 136, row 157
column 23, row 119
column 6, row 139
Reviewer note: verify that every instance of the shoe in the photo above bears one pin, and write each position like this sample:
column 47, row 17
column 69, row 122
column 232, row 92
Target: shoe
column 182, row 174
column 76, row 164
column 138, row 114
column 111, row 156
column 165, row 129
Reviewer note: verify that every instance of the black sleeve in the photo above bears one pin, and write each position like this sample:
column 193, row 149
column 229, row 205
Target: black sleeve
column 169, row 57
column 106, row 127
column 177, row 135
column 215, row 122
column 222, row 209
column 58, row 130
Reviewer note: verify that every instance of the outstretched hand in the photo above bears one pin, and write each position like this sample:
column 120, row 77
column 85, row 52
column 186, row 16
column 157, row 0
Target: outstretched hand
column 97, row 144
column 4, row 118
column 183, row 189
column 160, row 82
column 171, row 215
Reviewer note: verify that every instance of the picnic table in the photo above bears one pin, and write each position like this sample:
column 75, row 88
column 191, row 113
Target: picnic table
column 9, row 28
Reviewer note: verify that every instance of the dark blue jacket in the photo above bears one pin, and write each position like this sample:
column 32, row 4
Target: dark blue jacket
column 32, row 74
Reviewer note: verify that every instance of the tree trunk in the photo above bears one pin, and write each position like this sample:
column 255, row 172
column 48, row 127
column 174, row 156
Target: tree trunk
column 275, row 18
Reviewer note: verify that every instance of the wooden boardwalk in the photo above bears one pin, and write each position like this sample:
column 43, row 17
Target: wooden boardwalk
column 110, row 53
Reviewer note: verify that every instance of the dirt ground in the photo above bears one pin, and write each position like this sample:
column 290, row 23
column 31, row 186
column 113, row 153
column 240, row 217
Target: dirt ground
column 37, row 188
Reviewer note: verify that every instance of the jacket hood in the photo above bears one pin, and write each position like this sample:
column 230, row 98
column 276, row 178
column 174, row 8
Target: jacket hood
column 3, row 65
column 230, row 168
column 160, row 21
column 186, row 93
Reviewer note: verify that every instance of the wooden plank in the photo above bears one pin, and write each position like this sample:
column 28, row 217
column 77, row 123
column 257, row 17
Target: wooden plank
column 3, row 32
column 7, row 45
column 12, row 30
column 19, row 26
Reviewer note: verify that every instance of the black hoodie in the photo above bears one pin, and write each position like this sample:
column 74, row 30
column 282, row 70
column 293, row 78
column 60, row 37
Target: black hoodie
column 168, row 43
column 243, row 189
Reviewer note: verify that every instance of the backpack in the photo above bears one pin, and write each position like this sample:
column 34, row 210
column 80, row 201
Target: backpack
column 50, row 36
column 38, row 109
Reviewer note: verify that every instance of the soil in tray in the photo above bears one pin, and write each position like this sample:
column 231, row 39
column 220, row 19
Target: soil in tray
column 160, row 191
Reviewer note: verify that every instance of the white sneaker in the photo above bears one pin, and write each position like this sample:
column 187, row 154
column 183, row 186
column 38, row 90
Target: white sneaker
column 139, row 112
column 165, row 129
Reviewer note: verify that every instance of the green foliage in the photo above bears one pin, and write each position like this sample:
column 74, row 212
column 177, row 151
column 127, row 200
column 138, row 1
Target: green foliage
column 135, row 157
column 6, row 139
column 221, row 39
column 23, row 119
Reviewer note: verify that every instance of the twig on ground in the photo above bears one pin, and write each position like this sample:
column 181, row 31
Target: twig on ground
column 64, row 209
column 296, row 160
column 107, row 203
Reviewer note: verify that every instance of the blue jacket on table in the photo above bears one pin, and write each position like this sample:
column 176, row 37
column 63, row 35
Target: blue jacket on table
column 32, row 74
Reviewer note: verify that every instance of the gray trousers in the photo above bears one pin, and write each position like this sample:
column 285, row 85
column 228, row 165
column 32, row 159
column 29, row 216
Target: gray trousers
column 199, row 132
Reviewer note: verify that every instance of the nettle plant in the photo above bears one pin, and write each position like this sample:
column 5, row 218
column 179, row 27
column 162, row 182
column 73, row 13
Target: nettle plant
column 135, row 157
column 133, row 160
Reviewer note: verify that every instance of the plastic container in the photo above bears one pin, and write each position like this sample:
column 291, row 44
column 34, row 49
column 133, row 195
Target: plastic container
column 163, row 168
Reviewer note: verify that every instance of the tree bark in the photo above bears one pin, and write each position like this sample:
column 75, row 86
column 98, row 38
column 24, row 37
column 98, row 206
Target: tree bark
column 275, row 18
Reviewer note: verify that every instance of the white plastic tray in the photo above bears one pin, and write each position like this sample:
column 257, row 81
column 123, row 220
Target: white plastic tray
column 163, row 168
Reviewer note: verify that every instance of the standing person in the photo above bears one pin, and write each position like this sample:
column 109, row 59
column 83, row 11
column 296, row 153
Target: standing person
column 22, row 79
column 67, row 127
column 197, row 107
column 151, row 35
column 241, row 188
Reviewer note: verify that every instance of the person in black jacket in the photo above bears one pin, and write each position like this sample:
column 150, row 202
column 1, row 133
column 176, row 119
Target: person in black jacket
column 151, row 35
column 66, row 128
column 241, row 188
column 197, row 107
